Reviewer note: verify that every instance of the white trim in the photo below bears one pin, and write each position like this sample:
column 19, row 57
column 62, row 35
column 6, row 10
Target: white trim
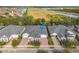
column 25, row 35
column 43, row 36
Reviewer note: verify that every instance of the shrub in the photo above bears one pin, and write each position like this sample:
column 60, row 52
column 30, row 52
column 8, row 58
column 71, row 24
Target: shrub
column 77, row 37
column 68, row 43
column 34, row 43
column 16, row 42
column 2, row 43
column 50, row 42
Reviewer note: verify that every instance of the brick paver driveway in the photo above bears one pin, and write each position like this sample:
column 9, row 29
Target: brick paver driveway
column 44, row 42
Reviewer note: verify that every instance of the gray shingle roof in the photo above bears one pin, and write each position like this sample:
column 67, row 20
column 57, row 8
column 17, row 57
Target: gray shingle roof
column 1, row 27
column 57, row 29
column 35, row 31
column 11, row 29
column 61, row 30
column 77, row 26
column 71, row 28
column 51, row 29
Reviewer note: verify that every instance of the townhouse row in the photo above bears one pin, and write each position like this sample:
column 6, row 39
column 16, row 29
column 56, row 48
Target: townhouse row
column 37, row 32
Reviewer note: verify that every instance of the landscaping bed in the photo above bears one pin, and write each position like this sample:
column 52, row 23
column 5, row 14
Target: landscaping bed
column 2, row 43
column 68, row 44
column 50, row 42
column 34, row 44
column 16, row 42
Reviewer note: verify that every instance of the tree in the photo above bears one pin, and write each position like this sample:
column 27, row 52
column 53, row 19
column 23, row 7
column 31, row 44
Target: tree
column 77, row 37
column 37, row 21
column 42, row 21
column 68, row 43
column 25, row 12
column 51, row 21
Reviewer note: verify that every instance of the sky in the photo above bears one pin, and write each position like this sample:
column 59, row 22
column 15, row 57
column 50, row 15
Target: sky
column 39, row 2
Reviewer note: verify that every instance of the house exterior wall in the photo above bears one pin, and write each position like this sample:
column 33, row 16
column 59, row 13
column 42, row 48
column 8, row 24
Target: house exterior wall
column 54, row 34
column 43, row 36
column 71, row 38
column 14, row 36
column 78, row 30
column 25, row 35
column 4, row 39
column 62, row 38
column 32, row 38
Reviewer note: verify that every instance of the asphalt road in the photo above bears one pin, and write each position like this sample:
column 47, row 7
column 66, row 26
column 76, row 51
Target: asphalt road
column 26, row 50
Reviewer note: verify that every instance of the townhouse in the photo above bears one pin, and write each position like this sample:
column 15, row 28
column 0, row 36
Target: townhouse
column 71, row 34
column 11, row 32
column 76, row 28
column 61, row 32
column 35, row 32
column 1, row 27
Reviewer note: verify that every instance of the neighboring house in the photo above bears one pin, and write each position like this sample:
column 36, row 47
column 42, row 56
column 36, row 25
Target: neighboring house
column 61, row 32
column 11, row 32
column 52, row 30
column 4, row 12
column 58, row 31
column 34, row 32
column 1, row 27
column 71, row 34
column 76, row 28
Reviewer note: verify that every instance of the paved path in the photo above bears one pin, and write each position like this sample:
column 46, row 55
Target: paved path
column 56, row 43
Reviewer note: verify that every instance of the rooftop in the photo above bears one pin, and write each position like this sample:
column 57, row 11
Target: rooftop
column 61, row 30
column 35, row 30
column 11, row 29
column 1, row 27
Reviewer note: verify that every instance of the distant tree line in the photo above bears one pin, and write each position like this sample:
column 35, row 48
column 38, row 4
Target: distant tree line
column 29, row 20
column 63, row 20
column 75, row 10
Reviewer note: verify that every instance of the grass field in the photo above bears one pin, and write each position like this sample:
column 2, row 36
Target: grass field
column 40, row 13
